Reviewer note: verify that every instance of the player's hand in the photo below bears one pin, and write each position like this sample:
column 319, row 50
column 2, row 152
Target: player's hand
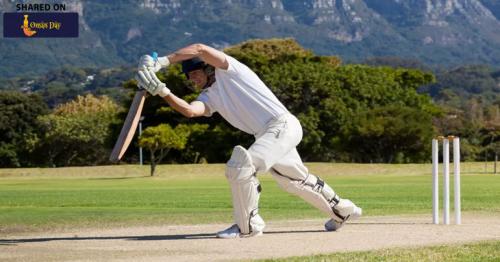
column 148, row 80
column 153, row 64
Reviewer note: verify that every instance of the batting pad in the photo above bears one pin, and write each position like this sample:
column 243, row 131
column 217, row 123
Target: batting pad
column 245, row 189
column 315, row 192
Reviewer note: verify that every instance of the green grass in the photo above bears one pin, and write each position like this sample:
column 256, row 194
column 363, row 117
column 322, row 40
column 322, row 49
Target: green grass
column 40, row 199
column 482, row 251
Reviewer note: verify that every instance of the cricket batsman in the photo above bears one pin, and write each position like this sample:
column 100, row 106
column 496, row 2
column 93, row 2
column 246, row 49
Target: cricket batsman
column 241, row 98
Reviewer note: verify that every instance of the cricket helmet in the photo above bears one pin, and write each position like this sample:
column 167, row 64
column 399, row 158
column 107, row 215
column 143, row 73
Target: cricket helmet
column 196, row 63
column 192, row 64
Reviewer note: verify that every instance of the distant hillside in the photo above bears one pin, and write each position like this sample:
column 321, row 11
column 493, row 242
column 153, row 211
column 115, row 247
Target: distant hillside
column 113, row 33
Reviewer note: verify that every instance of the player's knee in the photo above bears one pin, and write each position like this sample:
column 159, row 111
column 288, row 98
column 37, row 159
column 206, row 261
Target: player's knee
column 259, row 162
column 239, row 166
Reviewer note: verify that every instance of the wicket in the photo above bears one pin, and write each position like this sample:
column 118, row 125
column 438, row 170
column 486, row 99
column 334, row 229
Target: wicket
column 446, row 179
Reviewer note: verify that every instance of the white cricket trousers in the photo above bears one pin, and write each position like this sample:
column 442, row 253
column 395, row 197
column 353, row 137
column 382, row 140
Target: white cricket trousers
column 275, row 147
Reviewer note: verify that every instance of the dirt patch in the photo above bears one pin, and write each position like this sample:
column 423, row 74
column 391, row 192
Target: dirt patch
column 281, row 239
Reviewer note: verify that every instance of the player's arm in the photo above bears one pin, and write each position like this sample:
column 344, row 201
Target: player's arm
column 193, row 109
column 206, row 53
column 150, row 82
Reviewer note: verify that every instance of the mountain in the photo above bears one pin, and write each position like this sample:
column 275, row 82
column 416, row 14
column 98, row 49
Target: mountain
column 113, row 33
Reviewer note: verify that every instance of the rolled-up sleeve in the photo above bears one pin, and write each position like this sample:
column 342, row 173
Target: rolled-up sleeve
column 205, row 99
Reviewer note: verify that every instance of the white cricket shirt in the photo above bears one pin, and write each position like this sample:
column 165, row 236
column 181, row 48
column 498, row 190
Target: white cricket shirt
column 241, row 98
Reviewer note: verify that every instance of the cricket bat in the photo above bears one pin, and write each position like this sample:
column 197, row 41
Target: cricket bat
column 129, row 126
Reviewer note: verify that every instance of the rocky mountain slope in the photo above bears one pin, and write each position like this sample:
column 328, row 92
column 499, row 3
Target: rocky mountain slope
column 440, row 32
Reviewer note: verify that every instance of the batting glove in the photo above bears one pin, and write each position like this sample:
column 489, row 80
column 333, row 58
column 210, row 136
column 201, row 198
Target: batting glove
column 148, row 80
column 153, row 63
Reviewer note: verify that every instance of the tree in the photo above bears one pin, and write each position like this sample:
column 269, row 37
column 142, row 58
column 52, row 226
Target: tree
column 19, row 126
column 389, row 134
column 159, row 140
column 76, row 132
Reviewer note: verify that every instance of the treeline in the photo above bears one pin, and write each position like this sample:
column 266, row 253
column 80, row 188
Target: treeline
column 75, row 133
column 63, row 85
column 470, row 98
column 349, row 113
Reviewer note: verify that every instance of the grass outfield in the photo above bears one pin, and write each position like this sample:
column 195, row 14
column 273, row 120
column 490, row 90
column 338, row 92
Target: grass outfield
column 40, row 199
column 483, row 251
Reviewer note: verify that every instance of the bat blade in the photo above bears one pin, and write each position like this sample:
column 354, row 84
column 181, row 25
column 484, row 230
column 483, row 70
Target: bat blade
column 129, row 127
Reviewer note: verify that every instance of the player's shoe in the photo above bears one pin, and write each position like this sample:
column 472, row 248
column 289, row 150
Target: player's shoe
column 231, row 232
column 234, row 232
column 333, row 225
